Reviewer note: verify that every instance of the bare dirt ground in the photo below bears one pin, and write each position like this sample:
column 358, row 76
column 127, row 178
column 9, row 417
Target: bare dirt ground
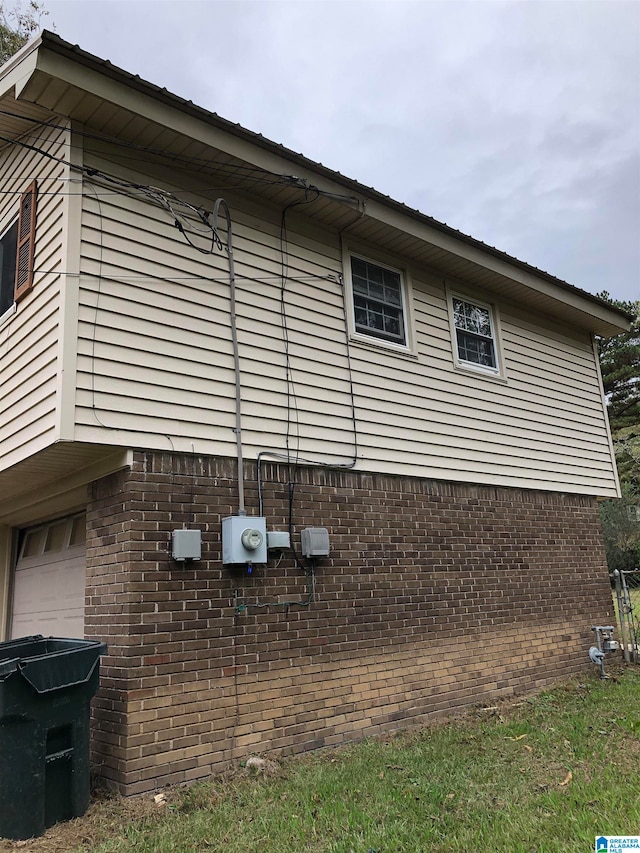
column 108, row 812
column 103, row 819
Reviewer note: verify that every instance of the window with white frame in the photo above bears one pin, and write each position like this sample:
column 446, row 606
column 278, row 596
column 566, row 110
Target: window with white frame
column 378, row 301
column 475, row 334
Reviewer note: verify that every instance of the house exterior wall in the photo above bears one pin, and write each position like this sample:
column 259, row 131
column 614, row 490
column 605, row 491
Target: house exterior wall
column 437, row 595
column 155, row 364
column 467, row 568
column 29, row 339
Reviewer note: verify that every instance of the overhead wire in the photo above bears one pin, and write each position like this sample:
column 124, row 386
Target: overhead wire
column 219, row 167
column 94, row 325
column 165, row 199
column 187, row 160
column 201, row 189
column 189, row 217
column 176, row 279
column 178, row 208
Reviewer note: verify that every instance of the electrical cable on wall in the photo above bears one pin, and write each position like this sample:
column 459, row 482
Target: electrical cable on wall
column 94, row 325
column 290, row 384
column 193, row 223
column 200, row 230
column 168, row 200
column 305, row 602
column 164, row 199
column 291, row 398
column 284, row 268
column 171, row 203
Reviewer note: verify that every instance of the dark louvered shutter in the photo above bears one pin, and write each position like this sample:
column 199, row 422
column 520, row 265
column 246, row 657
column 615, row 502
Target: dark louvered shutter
column 26, row 241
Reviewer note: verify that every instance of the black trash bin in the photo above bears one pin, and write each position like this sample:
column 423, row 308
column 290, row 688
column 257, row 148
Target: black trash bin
column 46, row 685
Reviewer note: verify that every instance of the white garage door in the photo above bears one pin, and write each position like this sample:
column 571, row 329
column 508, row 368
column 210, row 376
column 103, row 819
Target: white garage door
column 49, row 581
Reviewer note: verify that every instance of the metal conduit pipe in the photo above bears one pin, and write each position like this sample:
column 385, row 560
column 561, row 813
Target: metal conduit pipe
column 234, row 340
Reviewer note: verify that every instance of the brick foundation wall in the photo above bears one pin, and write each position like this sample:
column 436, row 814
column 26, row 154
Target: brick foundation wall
column 436, row 596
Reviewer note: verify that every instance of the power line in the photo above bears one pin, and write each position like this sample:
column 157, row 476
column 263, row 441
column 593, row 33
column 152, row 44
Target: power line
column 225, row 187
column 235, row 169
column 230, row 168
column 179, row 209
column 127, row 279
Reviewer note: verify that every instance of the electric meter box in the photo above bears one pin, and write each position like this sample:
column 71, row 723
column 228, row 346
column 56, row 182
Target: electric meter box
column 244, row 540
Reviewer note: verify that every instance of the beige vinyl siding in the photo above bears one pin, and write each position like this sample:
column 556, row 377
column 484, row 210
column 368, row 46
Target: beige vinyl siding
column 543, row 426
column 174, row 336
column 29, row 348
column 155, row 364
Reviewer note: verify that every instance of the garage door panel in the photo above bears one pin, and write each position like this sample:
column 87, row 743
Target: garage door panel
column 49, row 582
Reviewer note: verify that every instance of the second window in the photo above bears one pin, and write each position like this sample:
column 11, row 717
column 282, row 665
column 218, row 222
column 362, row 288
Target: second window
column 475, row 334
column 378, row 307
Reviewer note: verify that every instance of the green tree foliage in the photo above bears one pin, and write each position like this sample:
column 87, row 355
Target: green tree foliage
column 620, row 521
column 18, row 24
column 620, row 366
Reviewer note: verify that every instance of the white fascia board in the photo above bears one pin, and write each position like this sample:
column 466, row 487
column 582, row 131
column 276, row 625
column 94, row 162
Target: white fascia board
column 17, row 70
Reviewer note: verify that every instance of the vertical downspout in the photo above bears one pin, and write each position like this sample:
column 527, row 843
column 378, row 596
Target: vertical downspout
column 234, row 340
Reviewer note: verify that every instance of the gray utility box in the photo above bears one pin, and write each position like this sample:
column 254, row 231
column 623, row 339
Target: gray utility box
column 315, row 542
column 186, row 545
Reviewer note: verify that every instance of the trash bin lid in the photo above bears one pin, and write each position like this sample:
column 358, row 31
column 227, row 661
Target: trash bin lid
column 50, row 663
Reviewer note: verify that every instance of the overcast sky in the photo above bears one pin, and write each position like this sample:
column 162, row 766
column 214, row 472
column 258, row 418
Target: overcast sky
column 516, row 122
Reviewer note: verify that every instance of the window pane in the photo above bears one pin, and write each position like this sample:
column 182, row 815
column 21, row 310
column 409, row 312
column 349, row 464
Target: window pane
column 375, row 274
column 392, row 325
column 358, row 268
column 79, row 530
column 361, row 315
column 374, row 319
column 393, row 295
column 473, row 318
column 34, row 542
column 479, row 322
column 360, row 285
column 8, row 250
column 57, row 536
column 376, row 291
column 475, row 349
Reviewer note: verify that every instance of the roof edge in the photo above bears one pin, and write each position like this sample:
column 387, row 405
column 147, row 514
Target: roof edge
column 51, row 41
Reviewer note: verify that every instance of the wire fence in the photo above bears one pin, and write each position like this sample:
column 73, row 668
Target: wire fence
column 627, row 599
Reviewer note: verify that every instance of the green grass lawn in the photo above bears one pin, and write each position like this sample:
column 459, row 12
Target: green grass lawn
column 546, row 773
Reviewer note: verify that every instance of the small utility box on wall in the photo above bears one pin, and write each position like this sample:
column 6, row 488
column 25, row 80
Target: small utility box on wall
column 186, row 545
column 244, row 540
column 315, row 542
